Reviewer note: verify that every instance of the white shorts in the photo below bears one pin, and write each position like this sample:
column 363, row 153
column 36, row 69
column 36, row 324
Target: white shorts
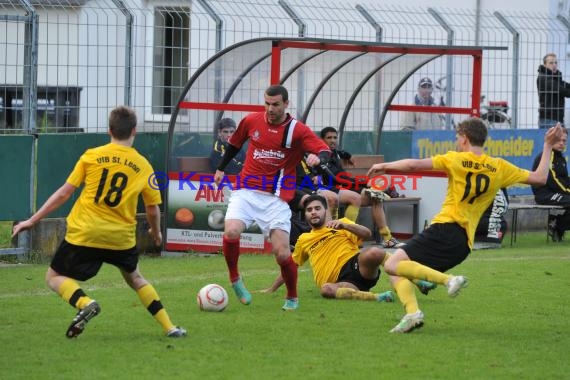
column 267, row 210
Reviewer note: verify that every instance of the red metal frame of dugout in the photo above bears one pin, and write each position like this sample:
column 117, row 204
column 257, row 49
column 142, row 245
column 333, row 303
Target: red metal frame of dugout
column 275, row 71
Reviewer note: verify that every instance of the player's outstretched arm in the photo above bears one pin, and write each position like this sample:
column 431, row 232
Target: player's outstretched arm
column 59, row 197
column 406, row 165
column 540, row 175
column 276, row 285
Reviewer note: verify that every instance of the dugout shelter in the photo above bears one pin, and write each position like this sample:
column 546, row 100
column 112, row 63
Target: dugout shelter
column 353, row 86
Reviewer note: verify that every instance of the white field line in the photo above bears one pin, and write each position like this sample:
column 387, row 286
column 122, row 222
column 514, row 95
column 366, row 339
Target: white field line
column 247, row 273
column 205, row 277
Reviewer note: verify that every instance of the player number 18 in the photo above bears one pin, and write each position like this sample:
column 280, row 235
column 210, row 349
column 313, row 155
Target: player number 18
column 115, row 192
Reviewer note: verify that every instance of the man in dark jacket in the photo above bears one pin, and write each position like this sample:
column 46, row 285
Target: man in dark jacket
column 556, row 191
column 226, row 128
column 551, row 92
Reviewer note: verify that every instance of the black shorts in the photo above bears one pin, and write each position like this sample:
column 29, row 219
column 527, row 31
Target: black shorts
column 441, row 246
column 351, row 273
column 82, row 263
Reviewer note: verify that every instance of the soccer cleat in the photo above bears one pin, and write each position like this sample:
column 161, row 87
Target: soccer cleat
column 551, row 229
column 425, row 286
column 176, row 332
column 557, row 235
column 409, row 323
column 377, row 194
column 455, row 284
column 387, row 296
column 291, row 304
column 393, row 243
column 81, row 318
column 241, row 292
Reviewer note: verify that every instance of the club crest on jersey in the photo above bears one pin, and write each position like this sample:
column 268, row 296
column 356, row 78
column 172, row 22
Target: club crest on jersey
column 255, row 135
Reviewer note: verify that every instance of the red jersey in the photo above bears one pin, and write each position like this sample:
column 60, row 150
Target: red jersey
column 273, row 153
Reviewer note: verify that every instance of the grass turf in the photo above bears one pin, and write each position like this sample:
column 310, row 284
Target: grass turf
column 511, row 322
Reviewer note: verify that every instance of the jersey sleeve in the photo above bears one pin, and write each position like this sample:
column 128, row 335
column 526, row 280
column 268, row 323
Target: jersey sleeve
column 299, row 256
column 151, row 196
column 349, row 235
column 77, row 176
column 241, row 134
column 443, row 161
column 311, row 142
column 512, row 174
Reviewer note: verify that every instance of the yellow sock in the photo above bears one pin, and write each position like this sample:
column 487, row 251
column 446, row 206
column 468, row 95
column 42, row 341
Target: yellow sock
column 385, row 232
column 406, row 292
column 411, row 269
column 150, row 300
column 348, row 293
column 71, row 293
column 351, row 212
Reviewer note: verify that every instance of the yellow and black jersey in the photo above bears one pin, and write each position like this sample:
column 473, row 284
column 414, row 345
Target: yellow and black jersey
column 327, row 250
column 104, row 216
column 473, row 181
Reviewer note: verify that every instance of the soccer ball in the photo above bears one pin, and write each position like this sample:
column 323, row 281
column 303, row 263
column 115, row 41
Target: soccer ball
column 212, row 297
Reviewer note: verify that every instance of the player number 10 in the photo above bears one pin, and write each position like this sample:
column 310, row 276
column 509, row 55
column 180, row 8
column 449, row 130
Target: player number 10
column 480, row 185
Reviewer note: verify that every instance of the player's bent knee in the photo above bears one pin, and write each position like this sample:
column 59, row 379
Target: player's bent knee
column 328, row 291
column 390, row 266
column 282, row 256
column 373, row 255
column 232, row 233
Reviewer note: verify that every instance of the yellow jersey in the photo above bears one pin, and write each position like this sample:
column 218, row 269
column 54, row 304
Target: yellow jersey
column 473, row 181
column 104, row 215
column 327, row 250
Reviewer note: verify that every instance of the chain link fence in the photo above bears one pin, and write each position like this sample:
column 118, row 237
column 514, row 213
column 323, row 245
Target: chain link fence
column 93, row 55
column 65, row 63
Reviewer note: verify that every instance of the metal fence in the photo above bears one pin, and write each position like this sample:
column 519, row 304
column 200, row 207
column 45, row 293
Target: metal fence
column 65, row 63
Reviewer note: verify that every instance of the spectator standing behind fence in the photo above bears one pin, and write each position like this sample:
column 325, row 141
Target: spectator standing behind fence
column 226, row 128
column 551, row 92
column 101, row 225
column 556, row 191
column 414, row 121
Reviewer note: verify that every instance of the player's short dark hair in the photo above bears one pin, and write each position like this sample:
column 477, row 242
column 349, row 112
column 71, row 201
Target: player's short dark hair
column 122, row 121
column 326, row 130
column 474, row 129
column 226, row 123
column 278, row 89
column 315, row 197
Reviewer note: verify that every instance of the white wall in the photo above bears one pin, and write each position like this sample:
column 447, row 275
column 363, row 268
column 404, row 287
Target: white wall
column 493, row 5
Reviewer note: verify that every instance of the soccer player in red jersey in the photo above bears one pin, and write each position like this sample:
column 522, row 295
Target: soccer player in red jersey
column 277, row 143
